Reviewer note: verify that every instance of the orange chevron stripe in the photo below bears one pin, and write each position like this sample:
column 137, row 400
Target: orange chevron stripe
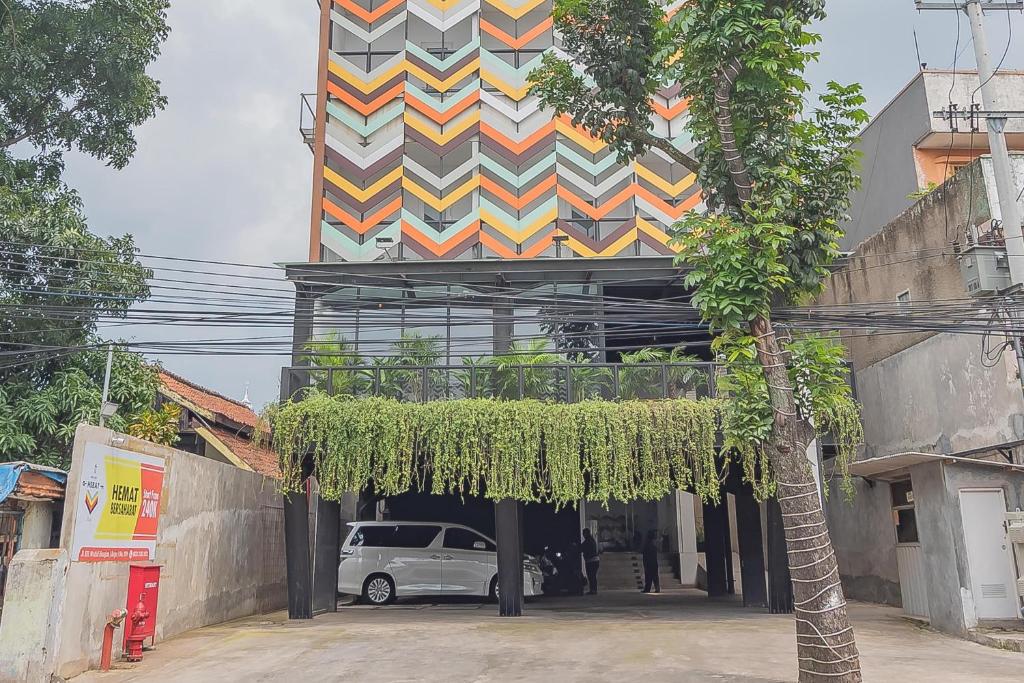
column 496, row 245
column 434, row 247
column 674, row 211
column 365, row 109
column 517, row 147
column 369, row 16
column 597, row 212
column 510, row 199
column 442, row 118
column 513, row 42
column 361, row 226
column 673, row 111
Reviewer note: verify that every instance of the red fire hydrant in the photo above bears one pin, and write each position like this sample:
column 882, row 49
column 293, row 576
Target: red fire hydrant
column 143, row 591
column 113, row 621
column 137, row 633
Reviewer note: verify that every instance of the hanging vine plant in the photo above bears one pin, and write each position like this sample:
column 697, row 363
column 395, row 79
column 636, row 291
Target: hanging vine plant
column 528, row 450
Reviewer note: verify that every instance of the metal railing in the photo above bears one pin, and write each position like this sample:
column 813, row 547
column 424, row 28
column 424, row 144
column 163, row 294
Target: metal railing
column 559, row 382
column 307, row 117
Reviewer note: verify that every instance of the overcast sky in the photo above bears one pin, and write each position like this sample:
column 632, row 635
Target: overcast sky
column 221, row 174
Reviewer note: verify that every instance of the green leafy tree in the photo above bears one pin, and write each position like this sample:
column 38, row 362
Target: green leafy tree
column 159, row 426
column 776, row 176
column 73, row 73
column 72, row 76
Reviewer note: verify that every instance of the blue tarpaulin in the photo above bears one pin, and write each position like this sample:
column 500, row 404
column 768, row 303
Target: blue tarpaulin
column 10, row 472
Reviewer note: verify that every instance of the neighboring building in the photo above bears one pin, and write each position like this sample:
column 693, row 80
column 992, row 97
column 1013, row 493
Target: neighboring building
column 31, row 504
column 215, row 426
column 426, row 136
column 907, row 147
column 943, row 411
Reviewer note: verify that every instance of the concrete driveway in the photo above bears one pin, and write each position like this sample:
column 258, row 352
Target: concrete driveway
column 678, row 635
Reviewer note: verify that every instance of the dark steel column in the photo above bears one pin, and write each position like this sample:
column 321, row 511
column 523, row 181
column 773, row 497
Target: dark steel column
column 748, row 529
column 296, row 546
column 716, row 528
column 780, row 588
column 326, row 549
column 508, row 530
column 508, row 517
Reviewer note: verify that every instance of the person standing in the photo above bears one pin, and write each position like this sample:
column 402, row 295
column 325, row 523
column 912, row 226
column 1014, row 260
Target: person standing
column 591, row 559
column 651, row 576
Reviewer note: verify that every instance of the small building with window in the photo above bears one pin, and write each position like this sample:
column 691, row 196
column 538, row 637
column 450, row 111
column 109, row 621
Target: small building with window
column 945, row 546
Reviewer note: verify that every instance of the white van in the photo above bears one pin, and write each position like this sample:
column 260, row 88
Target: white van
column 382, row 561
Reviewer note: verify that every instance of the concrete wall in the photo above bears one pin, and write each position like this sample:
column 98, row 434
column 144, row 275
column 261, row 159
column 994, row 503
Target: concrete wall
column 938, row 397
column 36, row 525
column 31, row 616
column 905, row 131
column 220, row 542
column 892, row 261
column 865, row 542
column 955, row 478
column 888, row 172
column 936, row 521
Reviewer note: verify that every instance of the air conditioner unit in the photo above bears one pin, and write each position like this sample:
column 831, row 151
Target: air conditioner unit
column 985, row 269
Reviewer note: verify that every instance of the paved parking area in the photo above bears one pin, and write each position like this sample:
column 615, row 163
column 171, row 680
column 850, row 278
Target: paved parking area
column 678, row 635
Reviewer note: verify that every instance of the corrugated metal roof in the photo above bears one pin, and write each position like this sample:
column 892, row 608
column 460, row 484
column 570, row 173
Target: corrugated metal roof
column 894, row 466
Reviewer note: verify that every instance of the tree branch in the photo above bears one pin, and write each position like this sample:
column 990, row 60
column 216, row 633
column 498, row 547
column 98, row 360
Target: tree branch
column 15, row 139
column 666, row 146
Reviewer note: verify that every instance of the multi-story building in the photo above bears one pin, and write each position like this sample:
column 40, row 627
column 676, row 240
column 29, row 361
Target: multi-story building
column 428, row 141
column 931, row 346
column 908, row 147
column 453, row 218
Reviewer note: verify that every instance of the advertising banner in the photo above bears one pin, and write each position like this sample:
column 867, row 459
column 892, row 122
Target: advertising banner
column 118, row 506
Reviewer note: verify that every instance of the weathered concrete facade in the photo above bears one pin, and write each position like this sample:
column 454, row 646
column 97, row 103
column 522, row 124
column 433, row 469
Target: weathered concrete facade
column 220, row 545
column 940, row 524
column 925, row 392
column 865, row 542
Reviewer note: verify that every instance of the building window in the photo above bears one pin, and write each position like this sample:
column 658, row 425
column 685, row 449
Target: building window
column 903, row 302
column 903, row 514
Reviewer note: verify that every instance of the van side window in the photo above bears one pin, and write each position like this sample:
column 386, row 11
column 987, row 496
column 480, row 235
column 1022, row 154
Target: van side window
column 373, row 536
column 463, row 539
column 414, row 535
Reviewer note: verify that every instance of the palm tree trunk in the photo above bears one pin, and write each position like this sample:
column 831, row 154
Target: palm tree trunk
column 826, row 648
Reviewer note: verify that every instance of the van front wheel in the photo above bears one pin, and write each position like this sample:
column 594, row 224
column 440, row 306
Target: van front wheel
column 379, row 589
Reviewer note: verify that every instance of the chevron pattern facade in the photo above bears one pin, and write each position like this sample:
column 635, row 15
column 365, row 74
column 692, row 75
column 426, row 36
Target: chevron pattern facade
column 430, row 139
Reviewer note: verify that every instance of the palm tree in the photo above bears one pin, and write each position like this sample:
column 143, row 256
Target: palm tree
column 637, row 381
column 534, row 360
column 416, row 350
column 336, row 361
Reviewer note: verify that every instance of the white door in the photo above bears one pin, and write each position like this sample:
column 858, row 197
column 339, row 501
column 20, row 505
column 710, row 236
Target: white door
column 415, row 560
column 988, row 556
column 468, row 562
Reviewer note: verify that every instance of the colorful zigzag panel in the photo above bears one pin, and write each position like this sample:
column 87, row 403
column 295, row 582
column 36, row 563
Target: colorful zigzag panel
column 432, row 140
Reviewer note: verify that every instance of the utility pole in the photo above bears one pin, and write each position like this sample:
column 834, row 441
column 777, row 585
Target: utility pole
column 995, row 124
column 106, row 383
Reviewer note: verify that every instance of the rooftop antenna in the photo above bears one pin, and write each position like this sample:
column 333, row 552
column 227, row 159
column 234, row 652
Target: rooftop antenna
column 917, row 48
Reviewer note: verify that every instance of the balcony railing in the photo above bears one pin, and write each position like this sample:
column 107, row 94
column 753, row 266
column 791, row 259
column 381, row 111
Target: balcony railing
column 560, row 382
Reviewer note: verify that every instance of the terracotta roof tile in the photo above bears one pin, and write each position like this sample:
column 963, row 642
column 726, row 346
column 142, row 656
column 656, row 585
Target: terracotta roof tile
column 263, row 460
column 209, row 400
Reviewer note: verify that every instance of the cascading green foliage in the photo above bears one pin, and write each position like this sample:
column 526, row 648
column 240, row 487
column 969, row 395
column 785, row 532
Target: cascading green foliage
column 527, row 450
